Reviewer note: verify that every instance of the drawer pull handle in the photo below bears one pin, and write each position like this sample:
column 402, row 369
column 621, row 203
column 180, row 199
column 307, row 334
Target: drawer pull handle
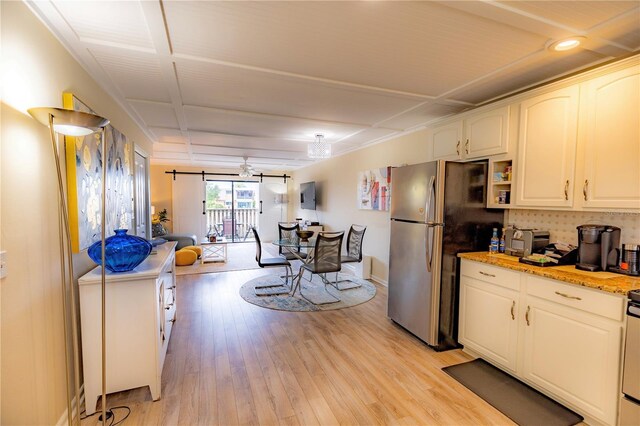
column 172, row 320
column 466, row 146
column 168, row 307
column 568, row 296
column 526, row 315
column 487, row 274
column 513, row 307
column 458, row 148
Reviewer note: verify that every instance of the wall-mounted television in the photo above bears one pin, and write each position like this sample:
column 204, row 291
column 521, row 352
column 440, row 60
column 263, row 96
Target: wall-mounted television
column 308, row 195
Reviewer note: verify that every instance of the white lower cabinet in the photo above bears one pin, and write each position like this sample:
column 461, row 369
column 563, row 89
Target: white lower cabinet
column 488, row 313
column 573, row 354
column 563, row 339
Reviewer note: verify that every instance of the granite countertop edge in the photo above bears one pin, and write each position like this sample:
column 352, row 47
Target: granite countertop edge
column 621, row 284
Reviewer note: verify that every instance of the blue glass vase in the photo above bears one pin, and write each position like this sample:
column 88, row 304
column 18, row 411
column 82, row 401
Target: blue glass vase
column 122, row 252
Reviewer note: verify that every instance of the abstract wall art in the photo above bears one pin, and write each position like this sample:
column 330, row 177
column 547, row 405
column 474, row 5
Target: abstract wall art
column 374, row 189
column 84, row 175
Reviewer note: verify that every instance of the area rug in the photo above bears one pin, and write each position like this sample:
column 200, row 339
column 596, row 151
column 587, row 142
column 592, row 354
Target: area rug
column 312, row 290
column 521, row 403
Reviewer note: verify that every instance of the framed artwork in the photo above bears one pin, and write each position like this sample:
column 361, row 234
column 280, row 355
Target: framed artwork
column 84, row 187
column 374, row 189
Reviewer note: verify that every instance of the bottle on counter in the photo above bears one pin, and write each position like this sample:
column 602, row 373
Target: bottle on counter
column 495, row 242
column 501, row 245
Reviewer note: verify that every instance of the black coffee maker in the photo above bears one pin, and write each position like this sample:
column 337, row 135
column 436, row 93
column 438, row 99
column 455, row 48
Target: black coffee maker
column 597, row 247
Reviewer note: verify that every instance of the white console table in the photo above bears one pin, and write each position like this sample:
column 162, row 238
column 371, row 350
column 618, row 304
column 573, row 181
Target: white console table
column 140, row 311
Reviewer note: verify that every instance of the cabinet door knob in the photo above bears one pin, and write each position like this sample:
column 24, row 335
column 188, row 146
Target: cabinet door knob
column 466, row 146
column 526, row 315
column 584, row 189
column 513, row 307
column 458, row 148
column 566, row 190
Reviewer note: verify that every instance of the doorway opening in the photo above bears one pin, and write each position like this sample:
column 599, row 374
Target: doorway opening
column 232, row 209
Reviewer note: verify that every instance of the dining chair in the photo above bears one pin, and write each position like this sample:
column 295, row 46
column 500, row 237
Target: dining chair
column 288, row 232
column 354, row 253
column 326, row 259
column 272, row 262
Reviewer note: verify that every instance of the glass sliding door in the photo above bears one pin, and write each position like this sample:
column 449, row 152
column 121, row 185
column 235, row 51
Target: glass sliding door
column 232, row 209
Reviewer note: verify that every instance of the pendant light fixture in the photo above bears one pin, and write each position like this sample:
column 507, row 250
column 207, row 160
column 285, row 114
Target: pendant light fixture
column 319, row 148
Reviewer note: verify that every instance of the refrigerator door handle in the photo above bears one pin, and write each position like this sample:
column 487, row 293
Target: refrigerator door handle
column 427, row 240
column 426, row 247
column 427, row 206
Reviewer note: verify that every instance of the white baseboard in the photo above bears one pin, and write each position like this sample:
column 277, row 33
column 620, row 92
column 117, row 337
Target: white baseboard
column 379, row 280
column 63, row 419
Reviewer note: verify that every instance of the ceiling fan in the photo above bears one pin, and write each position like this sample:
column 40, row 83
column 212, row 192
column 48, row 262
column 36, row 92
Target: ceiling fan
column 246, row 170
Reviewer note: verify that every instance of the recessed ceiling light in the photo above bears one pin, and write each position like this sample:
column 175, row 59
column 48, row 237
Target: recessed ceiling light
column 566, row 44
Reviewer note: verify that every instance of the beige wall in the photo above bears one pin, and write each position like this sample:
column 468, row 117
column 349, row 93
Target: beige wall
column 336, row 183
column 36, row 70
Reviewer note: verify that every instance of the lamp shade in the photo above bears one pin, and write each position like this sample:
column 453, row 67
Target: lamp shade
column 69, row 122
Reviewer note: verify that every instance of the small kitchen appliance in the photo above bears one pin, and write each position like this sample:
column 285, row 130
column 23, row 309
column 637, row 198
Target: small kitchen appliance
column 523, row 242
column 629, row 260
column 597, row 247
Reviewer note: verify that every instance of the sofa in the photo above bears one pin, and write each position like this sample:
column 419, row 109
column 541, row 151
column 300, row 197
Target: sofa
column 184, row 240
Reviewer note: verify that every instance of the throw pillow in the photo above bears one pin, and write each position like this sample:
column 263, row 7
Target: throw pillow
column 186, row 257
column 197, row 249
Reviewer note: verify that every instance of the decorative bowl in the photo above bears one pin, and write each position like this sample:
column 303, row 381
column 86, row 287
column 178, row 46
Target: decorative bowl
column 304, row 235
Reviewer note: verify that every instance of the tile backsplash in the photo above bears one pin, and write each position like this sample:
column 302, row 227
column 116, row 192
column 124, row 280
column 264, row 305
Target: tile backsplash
column 562, row 225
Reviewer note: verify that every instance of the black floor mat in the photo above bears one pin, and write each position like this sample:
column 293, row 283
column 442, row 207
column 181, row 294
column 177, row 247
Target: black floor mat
column 516, row 400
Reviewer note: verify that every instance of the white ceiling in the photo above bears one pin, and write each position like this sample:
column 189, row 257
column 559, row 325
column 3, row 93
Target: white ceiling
column 211, row 81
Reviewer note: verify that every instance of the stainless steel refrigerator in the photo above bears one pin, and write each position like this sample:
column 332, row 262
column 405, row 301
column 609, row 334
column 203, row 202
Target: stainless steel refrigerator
column 438, row 210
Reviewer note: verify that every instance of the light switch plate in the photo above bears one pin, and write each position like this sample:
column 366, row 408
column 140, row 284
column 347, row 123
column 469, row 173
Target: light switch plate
column 3, row 264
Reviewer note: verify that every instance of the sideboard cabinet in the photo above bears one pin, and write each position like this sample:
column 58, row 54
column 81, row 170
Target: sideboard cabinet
column 140, row 312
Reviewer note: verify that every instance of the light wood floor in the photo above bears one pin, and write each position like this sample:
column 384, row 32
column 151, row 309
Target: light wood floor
column 230, row 362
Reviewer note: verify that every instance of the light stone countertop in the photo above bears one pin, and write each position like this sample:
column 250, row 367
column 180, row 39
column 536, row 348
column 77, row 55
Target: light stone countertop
column 605, row 281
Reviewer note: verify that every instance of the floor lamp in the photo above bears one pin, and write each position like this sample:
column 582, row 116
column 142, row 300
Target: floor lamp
column 75, row 123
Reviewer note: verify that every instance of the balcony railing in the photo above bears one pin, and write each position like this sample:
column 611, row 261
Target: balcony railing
column 219, row 221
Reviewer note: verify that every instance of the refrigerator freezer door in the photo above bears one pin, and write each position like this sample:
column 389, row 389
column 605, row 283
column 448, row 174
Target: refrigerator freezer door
column 411, row 300
column 410, row 191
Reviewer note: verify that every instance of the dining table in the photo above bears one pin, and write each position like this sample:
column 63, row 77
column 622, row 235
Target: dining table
column 293, row 246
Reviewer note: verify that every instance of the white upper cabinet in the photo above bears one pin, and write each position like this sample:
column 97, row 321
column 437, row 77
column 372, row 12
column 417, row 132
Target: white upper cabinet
column 547, row 148
column 486, row 133
column 446, row 141
column 479, row 134
column 609, row 142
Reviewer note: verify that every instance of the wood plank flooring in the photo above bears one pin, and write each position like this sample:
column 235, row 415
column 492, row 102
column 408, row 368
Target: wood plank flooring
column 230, row 362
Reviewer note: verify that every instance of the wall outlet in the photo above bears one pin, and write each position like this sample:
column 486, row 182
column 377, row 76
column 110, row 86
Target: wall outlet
column 3, row 264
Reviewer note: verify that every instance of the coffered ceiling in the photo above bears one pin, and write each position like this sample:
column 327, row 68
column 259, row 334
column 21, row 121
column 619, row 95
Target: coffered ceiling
column 211, row 81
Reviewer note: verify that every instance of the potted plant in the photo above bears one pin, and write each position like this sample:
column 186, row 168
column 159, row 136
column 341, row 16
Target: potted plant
column 157, row 227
